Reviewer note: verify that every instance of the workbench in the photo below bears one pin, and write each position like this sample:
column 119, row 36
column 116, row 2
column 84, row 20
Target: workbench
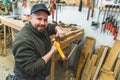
column 18, row 24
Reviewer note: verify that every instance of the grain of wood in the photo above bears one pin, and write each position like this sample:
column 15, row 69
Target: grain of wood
column 111, row 58
column 100, row 63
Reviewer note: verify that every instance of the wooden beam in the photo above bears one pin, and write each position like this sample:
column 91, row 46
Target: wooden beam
column 111, row 58
column 100, row 63
column 99, row 53
column 117, row 68
column 88, row 69
column 92, row 68
column 106, row 75
column 5, row 49
column 52, row 70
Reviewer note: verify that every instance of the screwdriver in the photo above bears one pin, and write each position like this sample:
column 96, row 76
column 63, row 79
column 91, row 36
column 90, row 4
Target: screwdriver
column 57, row 45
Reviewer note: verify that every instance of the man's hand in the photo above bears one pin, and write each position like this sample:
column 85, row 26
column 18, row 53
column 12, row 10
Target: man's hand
column 59, row 32
column 53, row 48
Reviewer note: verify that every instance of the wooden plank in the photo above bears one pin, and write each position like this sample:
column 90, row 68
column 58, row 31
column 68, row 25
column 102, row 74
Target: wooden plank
column 6, row 10
column 93, row 72
column 86, row 49
column 117, row 68
column 80, row 66
column 13, row 34
column 88, row 69
column 15, row 24
column 0, row 45
column 5, row 52
column 99, row 53
column 52, row 70
column 111, row 58
column 105, row 75
column 93, row 61
column 100, row 63
column 118, row 78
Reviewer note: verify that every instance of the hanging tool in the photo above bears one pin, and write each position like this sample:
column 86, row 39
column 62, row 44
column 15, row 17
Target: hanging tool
column 105, row 27
column 116, row 27
column 57, row 45
column 80, row 6
column 95, row 24
column 89, row 7
column 115, row 30
column 53, row 15
column 13, row 2
column 112, row 20
column 24, row 4
column 53, row 7
column 5, row 3
column 93, row 4
column 103, row 22
column 56, row 11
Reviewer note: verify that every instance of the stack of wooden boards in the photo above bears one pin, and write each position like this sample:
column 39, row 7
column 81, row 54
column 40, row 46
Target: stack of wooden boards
column 103, row 65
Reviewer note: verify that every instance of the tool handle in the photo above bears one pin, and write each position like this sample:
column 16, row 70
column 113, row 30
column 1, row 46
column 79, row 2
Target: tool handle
column 80, row 6
column 111, row 27
column 113, row 31
column 57, row 45
column 103, row 27
column 115, row 36
column 53, row 13
column 93, row 3
column 88, row 14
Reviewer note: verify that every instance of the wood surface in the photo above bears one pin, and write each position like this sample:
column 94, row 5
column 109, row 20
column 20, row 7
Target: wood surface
column 100, row 63
column 111, row 58
column 106, row 75
column 87, row 49
column 117, row 68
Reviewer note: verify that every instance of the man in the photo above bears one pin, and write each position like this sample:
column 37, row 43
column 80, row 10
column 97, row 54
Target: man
column 32, row 47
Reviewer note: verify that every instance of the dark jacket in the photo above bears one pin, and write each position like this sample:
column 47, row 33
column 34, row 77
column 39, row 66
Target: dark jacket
column 28, row 47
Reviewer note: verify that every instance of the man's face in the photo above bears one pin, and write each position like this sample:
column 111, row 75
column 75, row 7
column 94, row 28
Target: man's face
column 39, row 20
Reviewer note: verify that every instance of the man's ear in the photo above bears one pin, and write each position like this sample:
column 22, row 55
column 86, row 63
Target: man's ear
column 30, row 17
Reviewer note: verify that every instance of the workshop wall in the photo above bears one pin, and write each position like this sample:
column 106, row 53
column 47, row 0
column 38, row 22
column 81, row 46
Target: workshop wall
column 71, row 15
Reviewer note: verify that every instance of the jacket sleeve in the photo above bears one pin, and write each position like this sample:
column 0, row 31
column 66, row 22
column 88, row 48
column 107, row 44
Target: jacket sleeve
column 51, row 28
column 26, row 58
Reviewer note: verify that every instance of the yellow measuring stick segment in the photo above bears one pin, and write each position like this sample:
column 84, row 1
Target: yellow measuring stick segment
column 57, row 45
